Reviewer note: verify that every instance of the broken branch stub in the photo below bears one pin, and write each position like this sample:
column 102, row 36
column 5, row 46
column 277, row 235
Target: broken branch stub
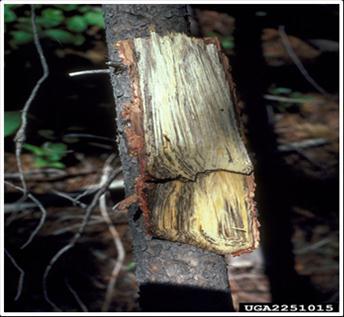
column 196, row 180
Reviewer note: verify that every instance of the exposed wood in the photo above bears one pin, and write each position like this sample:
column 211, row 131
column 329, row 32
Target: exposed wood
column 213, row 212
column 195, row 184
column 186, row 278
column 189, row 119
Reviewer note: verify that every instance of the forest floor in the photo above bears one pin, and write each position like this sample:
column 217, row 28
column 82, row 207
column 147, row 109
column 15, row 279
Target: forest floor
column 88, row 266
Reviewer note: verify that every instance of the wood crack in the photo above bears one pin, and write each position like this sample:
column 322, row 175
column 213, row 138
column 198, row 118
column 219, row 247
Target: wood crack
column 196, row 180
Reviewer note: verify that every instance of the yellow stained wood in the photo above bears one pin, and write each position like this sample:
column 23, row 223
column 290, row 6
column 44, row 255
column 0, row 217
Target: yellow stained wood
column 213, row 212
column 203, row 184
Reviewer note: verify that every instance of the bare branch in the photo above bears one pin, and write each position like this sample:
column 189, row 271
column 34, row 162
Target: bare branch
column 297, row 61
column 87, row 135
column 117, row 184
column 21, row 275
column 20, row 136
column 77, row 236
column 48, row 175
column 9, row 208
column 75, row 201
column 49, row 171
column 315, row 245
column 284, row 99
column 76, row 296
column 88, row 191
column 47, row 271
column 72, row 227
column 41, row 208
column 293, row 146
column 90, row 72
column 116, row 239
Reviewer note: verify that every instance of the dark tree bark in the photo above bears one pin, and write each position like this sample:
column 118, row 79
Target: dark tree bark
column 171, row 276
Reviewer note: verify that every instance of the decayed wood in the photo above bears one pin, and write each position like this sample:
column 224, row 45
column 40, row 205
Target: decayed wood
column 213, row 212
column 196, row 184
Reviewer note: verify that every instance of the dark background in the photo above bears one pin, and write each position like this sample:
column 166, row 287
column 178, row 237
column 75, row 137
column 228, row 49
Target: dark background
column 298, row 190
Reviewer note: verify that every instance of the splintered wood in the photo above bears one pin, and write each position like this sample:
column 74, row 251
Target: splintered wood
column 196, row 181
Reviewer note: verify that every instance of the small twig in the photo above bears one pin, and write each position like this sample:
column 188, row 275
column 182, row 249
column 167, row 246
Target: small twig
column 117, row 184
column 89, row 72
column 283, row 99
column 76, row 296
column 21, row 215
column 41, row 208
column 72, row 227
column 88, row 191
column 116, row 238
column 20, row 137
column 77, row 236
column 87, row 135
column 302, row 144
column 21, row 275
column 239, row 276
column 69, row 217
column 124, row 204
column 314, row 246
column 101, row 145
column 35, row 172
column 75, row 201
column 9, row 208
column 297, row 61
column 304, row 155
column 36, row 176
column 94, row 220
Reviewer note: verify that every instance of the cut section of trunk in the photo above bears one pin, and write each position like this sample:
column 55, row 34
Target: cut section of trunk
column 196, row 183
column 189, row 120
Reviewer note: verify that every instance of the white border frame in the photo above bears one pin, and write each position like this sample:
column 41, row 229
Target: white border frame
column 340, row 3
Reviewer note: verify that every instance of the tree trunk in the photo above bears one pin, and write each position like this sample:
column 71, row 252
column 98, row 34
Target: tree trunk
column 272, row 198
column 172, row 276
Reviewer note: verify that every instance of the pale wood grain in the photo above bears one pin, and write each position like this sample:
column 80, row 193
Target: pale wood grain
column 214, row 212
column 196, row 184
column 189, row 118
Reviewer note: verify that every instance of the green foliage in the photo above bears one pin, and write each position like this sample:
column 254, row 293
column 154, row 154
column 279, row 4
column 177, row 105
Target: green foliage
column 85, row 8
column 130, row 267
column 227, row 42
column 67, row 7
column 9, row 15
column 21, row 37
column 280, row 90
column 79, row 39
column 94, row 18
column 12, row 122
column 76, row 24
column 63, row 23
column 60, row 36
column 52, row 17
column 48, row 155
